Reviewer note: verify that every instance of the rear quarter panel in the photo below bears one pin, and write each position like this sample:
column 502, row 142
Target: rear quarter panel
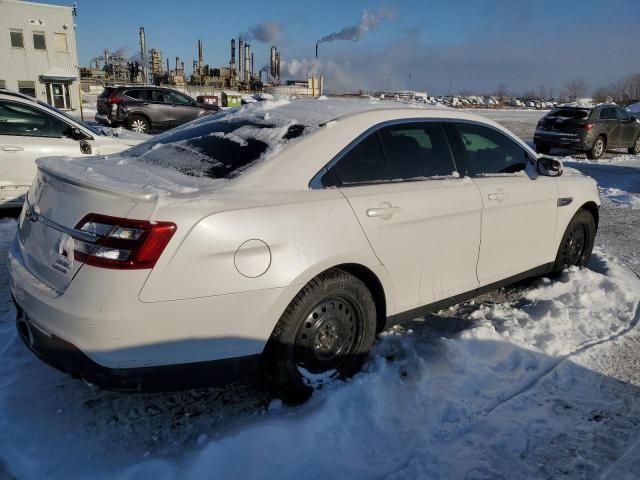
column 313, row 231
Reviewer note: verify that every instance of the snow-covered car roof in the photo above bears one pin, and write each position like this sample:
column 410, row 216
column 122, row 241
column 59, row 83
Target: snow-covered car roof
column 189, row 160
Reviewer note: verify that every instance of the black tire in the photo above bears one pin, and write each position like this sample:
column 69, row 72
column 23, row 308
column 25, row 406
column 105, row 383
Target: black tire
column 329, row 326
column 577, row 242
column 635, row 149
column 597, row 149
column 138, row 123
column 543, row 149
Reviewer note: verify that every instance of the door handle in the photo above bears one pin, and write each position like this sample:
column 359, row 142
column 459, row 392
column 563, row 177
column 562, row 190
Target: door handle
column 383, row 212
column 497, row 196
column 11, row 148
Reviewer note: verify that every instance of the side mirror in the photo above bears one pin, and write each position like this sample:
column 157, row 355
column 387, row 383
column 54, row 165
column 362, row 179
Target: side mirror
column 633, row 118
column 549, row 167
column 85, row 147
column 76, row 134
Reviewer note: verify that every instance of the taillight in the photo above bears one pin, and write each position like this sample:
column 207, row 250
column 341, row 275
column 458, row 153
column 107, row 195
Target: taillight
column 122, row 243
column 586, row 126
column 114, row 98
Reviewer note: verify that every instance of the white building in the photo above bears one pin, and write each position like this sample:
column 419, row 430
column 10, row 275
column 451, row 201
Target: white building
column 38, row 53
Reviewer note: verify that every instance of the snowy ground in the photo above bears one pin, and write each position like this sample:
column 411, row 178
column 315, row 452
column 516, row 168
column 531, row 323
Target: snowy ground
column 536, row 381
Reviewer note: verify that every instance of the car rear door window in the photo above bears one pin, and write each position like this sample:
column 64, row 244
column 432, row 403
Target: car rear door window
column 608, row 114
column 487, row 151
column 155, row 96
column 362, row 164
column 176, row 98
column 416, row 151
column 135, row 94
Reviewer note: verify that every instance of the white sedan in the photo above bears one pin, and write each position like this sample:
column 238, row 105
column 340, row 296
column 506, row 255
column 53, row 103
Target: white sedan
column 30, row 129
column 283, row 234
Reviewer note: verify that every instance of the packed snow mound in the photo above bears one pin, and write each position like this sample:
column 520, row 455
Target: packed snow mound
column 422, row 409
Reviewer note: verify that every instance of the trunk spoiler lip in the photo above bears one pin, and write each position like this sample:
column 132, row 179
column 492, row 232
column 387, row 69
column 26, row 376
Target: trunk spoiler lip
column 89, row 185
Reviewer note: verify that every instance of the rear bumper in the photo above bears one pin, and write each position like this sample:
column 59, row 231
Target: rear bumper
column 562, row 140
column 67, row 358
column 99, row 330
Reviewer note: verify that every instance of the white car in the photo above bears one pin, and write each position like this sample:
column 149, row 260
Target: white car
column 30, row 129
column 282, row 234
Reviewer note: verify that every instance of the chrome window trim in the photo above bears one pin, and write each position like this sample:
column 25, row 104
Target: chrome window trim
column 316, row 181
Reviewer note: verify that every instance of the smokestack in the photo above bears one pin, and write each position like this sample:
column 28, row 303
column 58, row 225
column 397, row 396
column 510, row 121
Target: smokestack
column 278, row 65
column 168, row 69
column 247, row 61
column 177, row 64
column 316, row 50
column 143, row 55
column 273, row 62
column 232, row 63
column 241, row 58
column 199, row 52
column 182, row 67
column 252, row 64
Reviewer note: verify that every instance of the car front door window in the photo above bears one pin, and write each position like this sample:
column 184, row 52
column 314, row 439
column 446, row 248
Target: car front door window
column 488, row 151
column 177, row 99
column 22, row 120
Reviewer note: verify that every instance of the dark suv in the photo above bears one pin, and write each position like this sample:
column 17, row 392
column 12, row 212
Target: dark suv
column 142, row 108
column 590, row 129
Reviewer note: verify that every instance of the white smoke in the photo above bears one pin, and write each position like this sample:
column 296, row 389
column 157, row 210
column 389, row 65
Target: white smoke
column 368, row 22
column 266, row 32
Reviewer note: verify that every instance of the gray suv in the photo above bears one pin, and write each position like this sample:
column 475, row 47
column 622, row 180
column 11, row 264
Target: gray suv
column 589, row 129
column 143, row 108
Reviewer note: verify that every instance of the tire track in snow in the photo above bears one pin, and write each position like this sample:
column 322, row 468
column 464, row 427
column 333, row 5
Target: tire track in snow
column 586, row 346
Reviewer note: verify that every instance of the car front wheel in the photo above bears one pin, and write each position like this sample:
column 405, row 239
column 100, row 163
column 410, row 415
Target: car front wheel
column 138, row 124
column 577, row 242
column 635, row 149
column 597, row 149
column 326, row 332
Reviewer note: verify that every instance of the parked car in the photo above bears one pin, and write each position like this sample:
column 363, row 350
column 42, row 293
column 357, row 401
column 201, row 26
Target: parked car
column 30, row 129
column 286, row 237
column 142, row 108
column 589, row 129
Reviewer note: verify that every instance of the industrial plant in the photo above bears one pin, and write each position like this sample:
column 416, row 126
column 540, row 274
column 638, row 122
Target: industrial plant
column 148, row 66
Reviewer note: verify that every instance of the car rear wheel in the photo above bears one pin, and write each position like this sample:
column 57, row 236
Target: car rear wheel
column 597, row 149
column 543, row 149
column 138, row 123
column 326, row 332
column 577, row 242
column 635, row 149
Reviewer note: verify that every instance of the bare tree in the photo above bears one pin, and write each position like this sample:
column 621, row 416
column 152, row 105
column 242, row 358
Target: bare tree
column 543, row 92
column 602, row 95
column 501, row 92
column 575, row 89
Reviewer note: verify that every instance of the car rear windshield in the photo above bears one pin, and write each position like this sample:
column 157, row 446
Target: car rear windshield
column 570, row 113
column 215, row 149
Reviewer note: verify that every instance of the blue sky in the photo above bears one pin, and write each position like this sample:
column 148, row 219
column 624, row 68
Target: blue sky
column 524, row 44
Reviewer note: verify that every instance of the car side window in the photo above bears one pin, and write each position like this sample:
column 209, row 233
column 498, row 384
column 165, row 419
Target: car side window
column 133, row 94
column 26, row 121
column 608, row 114
column 416, row 150
column 622, row 114
column 488, row 151
column 176, row 98
column 154, row 96
column 363, row 164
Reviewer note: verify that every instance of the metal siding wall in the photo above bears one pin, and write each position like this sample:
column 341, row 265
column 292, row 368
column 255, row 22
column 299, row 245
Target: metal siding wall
column 27, row 63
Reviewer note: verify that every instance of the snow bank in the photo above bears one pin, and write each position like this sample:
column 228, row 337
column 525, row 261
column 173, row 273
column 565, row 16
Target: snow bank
column 413, row 417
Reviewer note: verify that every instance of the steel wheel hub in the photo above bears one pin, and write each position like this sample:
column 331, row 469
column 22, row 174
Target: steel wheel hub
column 330, row 332
column 576, row 243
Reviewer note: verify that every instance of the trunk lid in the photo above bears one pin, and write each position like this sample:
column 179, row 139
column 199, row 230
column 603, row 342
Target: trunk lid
column 54, row 207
